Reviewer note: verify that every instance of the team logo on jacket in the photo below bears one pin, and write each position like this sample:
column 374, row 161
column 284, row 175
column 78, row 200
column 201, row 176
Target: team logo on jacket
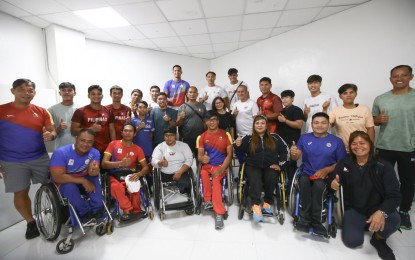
column 345, row 170
column 328, row 145
column 131, row 153
column 87, row 161
column 35, row 114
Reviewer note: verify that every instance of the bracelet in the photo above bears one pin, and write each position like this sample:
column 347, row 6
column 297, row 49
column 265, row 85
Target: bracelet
column 384, row 214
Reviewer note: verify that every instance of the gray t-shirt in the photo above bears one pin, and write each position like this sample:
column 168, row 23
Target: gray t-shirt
column 160, row 124
column 65, row 113
column 398, row 134
column 193, row 124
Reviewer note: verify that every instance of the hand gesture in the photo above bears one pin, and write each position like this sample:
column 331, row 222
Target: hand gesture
column 93, row 169
column 141, row 125
column 126, row 161
column 235, row 111
column 306, row 110
column 260, row 112
column 96, row 127
column 293, row 150
column 205, row 97
column 182, row 114
column 128, row 118
column 282, row 118
column 335, row 184
column 205, row 158
column 62, row 125
column 238, row 140
column 377, row 221
column 326, row 104
column 149, row 108
column 166, row 117
column 164, row 162
column 47, row 136
column 383, row 117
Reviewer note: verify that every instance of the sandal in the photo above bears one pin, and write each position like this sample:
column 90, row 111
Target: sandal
column 125, row 217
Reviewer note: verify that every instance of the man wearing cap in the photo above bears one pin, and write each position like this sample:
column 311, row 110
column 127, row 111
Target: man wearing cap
column 215, row 153
column 122, row 156
column 174, row 158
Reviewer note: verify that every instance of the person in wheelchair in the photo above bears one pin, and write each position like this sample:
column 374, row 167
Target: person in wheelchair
column 266, row 154
column 320, row 152
column 215, row 153
column 370, row 193
column 75, row 170
column 174, row 159
column 122, row 157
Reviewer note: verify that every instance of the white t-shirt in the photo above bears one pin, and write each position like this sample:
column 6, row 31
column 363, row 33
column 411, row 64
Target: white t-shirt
column 316, row 105
column 231, row 88
column 245, row 118
column 176, row 156
column 212, row 92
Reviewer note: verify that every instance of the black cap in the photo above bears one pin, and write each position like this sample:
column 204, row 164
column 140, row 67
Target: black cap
column 170, row 130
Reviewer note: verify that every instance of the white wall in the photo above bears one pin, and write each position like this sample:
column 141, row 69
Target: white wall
column 359, row 45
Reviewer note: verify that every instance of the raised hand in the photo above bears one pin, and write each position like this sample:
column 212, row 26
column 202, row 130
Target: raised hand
column 96, row 127
column 293, row 150
column 164, row 162
column 166, row 117
column 383, row 117
column 306, row 110
column 47, row 136
column 205, row 158
column 182, row 114
column 260, row 111
column 235, row 111
column 126, row 161
column 326, row 104
column 128, row 118
column 62, row 125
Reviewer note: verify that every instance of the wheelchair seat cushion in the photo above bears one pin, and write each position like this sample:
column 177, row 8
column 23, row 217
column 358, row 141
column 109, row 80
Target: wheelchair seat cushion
column 132, row 186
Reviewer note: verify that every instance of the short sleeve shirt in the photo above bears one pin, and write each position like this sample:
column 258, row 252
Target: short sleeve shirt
column 270, row 104
column 212, row 92
column 143, row 136
column 119, row 118
column 215, row 145
column 177, row 91
column 118, row 151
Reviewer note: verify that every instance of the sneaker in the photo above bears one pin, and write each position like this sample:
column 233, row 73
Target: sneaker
column 384, row 251
column 302, row 226
column 319, row 229
column 267, row 209
column 257, row 213
column 31, row 230
column 208, row 205
column 219, row 222
column 405, row 220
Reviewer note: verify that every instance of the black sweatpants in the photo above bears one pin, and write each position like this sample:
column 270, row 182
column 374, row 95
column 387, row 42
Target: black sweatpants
column 312, row 195
column 261, row 179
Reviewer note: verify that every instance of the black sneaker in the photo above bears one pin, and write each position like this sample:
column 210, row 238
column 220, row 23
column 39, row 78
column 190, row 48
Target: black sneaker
column 319, row 229
column 219, row 222
column 32, row 231
column 302, row 226
column 384, row 251
column 405, row 220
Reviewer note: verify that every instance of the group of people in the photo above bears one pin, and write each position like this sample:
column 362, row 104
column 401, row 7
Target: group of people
column 214, row 124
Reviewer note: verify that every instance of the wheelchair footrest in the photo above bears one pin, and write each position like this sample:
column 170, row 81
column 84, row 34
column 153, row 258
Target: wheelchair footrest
column 179, row 206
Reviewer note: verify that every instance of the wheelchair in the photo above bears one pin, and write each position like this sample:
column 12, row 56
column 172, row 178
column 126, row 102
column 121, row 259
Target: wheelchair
column 169, row 191
column 113, row 204
column 280, row 196
column 332, row 204
column 227, row 189
column 51, row 210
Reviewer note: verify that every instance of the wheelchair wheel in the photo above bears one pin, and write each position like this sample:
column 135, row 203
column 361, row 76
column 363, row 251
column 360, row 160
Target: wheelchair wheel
column 157, row 187
column 64, row 247
column 339, row 207
column 229, row 192
column 110, row 227
column 151, row 215
column 241, row 181
column 48, row 211
column 283, row 191
column 293, row 195
column 190, row 211
column 101, row 230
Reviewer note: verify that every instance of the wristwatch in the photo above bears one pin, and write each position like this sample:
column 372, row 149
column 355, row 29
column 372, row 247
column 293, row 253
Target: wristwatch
column 384, row 214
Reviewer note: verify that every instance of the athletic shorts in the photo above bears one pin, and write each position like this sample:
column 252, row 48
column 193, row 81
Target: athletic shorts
column 18, row 176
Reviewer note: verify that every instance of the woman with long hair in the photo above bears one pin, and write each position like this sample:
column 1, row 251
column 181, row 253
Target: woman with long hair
column 226, row 121
column 370, row 193
column 265, row 154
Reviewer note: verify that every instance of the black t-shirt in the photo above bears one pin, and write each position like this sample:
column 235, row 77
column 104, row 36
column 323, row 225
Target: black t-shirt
column 288, row 133
column 226, row 121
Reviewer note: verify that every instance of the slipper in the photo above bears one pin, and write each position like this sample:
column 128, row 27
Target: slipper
column 125, row 217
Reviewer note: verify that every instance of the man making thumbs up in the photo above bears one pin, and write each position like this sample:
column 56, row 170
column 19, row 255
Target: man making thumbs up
column 269, row 104
column 394, row 112
column 62, row 114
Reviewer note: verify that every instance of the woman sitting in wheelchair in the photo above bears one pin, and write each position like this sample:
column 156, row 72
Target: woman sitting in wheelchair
column 122, row 157
column 370, row 193
column 320, row 152
column 265, row 154
column 75, row 170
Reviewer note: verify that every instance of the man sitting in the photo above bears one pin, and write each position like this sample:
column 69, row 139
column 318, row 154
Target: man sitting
column 75, row 170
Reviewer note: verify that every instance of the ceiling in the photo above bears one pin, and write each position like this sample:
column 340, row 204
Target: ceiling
column 198, row 28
